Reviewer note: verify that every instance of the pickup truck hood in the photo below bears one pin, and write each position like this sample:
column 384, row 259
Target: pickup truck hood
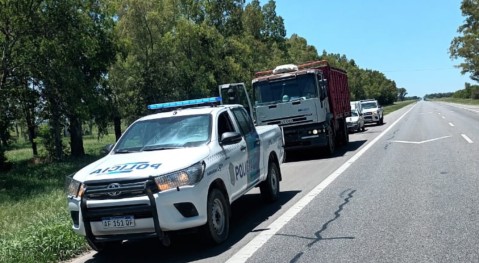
column 141, row 164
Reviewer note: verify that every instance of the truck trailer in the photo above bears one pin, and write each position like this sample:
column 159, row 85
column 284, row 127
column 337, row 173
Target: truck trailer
column 310, row 102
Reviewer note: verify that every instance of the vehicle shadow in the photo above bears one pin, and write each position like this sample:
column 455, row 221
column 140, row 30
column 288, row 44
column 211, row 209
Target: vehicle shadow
column 313, row 154
column 248, row 212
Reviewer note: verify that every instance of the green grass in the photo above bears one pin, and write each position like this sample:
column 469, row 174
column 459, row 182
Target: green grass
column 34, row 221
column 397, row 105
column 460, row 101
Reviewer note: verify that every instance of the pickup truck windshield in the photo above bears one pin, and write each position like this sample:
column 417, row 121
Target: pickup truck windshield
column 289, row 89
column 166, row 133
column 369, row 105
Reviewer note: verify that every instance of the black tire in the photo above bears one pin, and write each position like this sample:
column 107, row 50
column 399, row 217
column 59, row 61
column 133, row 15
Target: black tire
column 330, row 147
column 104, row 246
column 382, row 120
column 345, row 134
column 217, row 226
column 270, row 188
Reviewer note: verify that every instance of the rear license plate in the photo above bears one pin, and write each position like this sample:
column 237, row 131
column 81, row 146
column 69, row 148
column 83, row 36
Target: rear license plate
column 118, row 222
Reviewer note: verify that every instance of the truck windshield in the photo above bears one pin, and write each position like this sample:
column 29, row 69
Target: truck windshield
column 299, row 88
column 166, row 133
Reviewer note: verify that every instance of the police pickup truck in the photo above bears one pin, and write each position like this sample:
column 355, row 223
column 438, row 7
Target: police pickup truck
column 180, row 168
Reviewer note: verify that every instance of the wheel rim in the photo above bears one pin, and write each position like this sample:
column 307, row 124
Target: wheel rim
column 218, row 216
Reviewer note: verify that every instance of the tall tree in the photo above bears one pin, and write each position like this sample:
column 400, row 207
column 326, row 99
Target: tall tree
column 466, row 45
column 74, row 48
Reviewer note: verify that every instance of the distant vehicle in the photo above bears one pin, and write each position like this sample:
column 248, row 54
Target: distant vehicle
column 356, row 121
column 174, row 170
column 356, row 105
column 372, row 111
column 309, row 101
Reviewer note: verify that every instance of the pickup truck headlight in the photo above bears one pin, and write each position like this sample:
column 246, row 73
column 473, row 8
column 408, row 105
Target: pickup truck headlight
column 187, row 176
column 73, row 188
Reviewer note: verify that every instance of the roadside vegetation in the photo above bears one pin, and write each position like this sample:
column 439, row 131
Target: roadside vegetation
column 34, row 220
column 459, row 101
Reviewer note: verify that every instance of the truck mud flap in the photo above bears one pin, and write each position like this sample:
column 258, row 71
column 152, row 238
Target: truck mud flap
column 147, row 188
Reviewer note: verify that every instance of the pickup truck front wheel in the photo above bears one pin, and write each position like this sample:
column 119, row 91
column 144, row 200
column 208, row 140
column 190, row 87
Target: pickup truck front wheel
column 270, row 188
column 218, row 224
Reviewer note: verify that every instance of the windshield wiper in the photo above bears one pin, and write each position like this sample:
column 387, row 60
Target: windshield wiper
column 124, row 151
column 158, row 148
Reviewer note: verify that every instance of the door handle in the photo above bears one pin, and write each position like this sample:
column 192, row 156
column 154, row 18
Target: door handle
column 243, row 148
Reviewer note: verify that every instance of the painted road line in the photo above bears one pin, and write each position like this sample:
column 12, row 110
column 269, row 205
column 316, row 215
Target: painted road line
column 467, row 138
column 257, row 242
column 421, row 142
column 450, row 124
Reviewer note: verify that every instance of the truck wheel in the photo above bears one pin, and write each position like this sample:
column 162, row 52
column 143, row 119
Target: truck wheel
column 345, row 133
column 104, row 246
column 270, row 188
column 217, row 226
column 330, row 147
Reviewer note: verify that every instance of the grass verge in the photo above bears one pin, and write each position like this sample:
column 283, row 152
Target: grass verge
column 34, row 220
column 460, row 101
column 397, row 105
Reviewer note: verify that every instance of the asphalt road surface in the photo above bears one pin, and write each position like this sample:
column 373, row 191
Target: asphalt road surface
column 405, row 191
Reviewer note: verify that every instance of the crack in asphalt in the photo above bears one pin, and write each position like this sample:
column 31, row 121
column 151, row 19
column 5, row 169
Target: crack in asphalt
column 318, row 234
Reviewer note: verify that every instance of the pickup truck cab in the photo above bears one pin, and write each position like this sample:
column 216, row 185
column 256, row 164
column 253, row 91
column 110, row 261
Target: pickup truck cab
column 175, row 170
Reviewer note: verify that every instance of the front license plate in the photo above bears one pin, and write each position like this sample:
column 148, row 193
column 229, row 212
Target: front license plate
column 118, row 222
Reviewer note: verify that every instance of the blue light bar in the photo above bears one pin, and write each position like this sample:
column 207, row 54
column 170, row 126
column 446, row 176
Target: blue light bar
column 184, row 103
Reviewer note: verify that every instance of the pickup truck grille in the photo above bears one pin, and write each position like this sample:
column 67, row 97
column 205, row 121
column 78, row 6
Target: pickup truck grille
column 120, row 189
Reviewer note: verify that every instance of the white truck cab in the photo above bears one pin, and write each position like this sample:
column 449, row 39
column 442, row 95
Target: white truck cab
column 177, row 169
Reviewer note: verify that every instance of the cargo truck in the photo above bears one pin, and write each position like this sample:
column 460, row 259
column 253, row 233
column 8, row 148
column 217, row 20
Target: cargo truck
column 310, row 102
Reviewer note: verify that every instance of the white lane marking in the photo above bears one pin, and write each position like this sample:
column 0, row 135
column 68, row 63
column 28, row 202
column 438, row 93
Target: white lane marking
column 421, row 142
column 443, row 117
column 257, row 242
column 450, row 124
column 467, row 138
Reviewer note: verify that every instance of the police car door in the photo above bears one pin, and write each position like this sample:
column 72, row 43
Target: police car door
column 233, row 158
column 251, row 167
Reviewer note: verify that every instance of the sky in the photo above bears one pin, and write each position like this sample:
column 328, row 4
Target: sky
column 406, row 40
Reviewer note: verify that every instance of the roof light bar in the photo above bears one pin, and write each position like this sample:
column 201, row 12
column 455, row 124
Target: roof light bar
column 184, row 103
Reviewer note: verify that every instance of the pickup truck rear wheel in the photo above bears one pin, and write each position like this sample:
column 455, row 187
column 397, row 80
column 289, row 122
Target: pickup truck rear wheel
column 218, row 219
column 270, row 188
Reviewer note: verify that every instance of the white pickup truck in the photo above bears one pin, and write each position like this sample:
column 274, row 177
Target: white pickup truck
column 174, row 170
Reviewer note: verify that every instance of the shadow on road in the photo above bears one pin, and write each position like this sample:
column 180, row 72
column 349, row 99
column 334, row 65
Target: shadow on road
column 313, row 154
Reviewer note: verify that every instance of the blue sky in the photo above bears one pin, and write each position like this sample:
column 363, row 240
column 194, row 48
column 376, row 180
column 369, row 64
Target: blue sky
column 406, row 40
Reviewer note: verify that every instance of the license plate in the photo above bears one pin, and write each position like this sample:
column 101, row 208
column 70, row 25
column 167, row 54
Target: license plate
column 118, row 222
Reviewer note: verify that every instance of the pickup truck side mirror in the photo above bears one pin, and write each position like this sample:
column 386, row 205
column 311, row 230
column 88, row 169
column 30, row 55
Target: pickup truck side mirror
column 229, row 138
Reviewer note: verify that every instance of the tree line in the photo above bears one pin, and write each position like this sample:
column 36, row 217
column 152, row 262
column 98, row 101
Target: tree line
column 67, row 64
